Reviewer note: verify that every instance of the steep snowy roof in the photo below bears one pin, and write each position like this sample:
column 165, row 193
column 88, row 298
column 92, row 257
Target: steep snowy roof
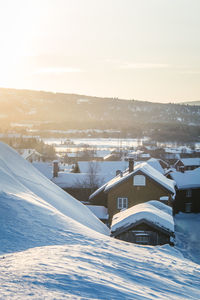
column 44, row 167
column 188, row 179
column 161, row 206
column 71, row 180
column 153, row 162
column 146, row 169
column 192, row 161
column 100, row 211
column 145, row 211
column 105, row 167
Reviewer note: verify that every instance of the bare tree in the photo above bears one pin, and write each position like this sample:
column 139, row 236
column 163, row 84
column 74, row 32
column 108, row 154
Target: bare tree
column 92, row 180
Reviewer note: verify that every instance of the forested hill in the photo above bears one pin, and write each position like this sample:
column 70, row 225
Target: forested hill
column 70, row 111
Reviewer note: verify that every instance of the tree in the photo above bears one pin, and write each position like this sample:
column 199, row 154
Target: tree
column 92, row 180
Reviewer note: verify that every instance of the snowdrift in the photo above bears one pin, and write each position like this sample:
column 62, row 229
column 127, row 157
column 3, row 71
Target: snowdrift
column 33, row 210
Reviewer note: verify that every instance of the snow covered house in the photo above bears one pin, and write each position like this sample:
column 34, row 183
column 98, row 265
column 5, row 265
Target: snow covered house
column 149, row 223
column 187, row 197
column 30, row 154
column 138, row 184
column 186, row 164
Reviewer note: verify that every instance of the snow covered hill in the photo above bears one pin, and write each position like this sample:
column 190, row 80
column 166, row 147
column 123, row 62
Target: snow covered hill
column 52, row 247
column 33, row 210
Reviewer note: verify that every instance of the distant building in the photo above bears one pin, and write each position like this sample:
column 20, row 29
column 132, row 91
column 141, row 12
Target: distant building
column 186, row 164
column 149, row 223
column 187, row 191
column 30, row 154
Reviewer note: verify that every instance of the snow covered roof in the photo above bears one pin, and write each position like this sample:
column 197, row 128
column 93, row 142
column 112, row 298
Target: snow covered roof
column 106, row 170
column 100, row 212
column 155, row 164
column 71, row 180
column 161, row 206
column 147, row 170
column 44, row 167
column 192, row 161
column 26, row 153
column 181, row 149
column 145, row 155
column 106, row 167
column 187, row 180
column 147, row 211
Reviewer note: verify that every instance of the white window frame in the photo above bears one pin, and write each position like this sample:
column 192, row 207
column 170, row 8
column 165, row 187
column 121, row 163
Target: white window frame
column 122, row 202
column 142, row 239
column 188, row 193
column 137, row 180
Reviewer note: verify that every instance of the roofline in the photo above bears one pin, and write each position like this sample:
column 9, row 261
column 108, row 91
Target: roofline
column 135, row 172
column 123, row 229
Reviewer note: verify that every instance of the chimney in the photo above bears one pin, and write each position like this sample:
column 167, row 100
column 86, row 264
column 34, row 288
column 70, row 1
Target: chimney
column 55, row 168
column 131, row 165
column 118, row 172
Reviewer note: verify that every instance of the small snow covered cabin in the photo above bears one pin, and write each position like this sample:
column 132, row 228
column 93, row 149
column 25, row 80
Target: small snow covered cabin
column 138, row 184
column 187, row 191
column 186, row 164
column 149, row 223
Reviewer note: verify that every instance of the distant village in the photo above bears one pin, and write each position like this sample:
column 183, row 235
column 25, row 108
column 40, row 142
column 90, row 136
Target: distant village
column 136, row 191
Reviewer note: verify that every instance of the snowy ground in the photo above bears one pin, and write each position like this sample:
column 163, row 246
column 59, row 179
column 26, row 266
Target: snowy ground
column 53, row 247
column 187, row 227
column 94, row 268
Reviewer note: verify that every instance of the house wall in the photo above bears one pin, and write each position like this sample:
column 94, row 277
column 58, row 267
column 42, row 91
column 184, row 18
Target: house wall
column 180, row 165
column 180, row 201
column 156, row 237
column 80, row 194
column 99, row 199
column 151, row 191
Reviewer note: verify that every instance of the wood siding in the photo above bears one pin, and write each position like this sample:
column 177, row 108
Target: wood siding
column 181, row 199
column 151, row 191
column 155, row 236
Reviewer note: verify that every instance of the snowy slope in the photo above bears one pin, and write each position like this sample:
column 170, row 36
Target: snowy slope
column 36, row 205
column 99, row 268
column 62, row 258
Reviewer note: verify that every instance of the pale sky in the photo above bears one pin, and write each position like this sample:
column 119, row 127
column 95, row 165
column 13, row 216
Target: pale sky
column 132, row 49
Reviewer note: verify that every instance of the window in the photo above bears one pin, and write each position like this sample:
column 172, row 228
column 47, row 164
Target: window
column 122, row 203
column 142, row 239
column 139, row 180
column 189, row 193
column 188, row 207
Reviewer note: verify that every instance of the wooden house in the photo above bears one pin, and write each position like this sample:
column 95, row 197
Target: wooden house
column 187, row 197
column 136, row 185
column 187, row 164
column 30, row 154
column 149, row 223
